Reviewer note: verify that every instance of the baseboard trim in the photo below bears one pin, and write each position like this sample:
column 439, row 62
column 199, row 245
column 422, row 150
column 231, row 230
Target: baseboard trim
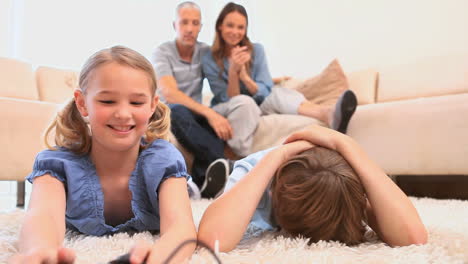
column 434, row 186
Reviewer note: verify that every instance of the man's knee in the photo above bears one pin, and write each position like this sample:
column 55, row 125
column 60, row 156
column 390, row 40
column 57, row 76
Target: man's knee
column 179, row 111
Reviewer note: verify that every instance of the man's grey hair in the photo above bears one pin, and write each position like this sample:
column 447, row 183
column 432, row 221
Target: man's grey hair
column 186, row 4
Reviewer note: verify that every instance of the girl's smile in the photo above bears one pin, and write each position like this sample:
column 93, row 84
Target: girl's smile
column 119, row 103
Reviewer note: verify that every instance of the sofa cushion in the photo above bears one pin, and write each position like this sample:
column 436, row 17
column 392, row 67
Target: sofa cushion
column 17, row 79
column 273, row 129
column 55, row 85
column 23, row 126
column 364, row 85
column 427, row 77
column 324, row 88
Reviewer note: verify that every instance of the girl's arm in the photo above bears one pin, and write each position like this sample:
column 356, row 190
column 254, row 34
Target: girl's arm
column 391, row 214
column 227, row 218
column 176, row 224
column 43, row 228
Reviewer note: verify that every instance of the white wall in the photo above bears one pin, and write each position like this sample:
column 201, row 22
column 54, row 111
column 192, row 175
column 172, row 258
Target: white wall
column 300, row 37
column 303, row 38
column 5, row 6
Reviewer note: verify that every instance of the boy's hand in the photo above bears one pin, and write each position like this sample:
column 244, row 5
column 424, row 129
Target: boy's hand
column 290, row 149
column 318, row 135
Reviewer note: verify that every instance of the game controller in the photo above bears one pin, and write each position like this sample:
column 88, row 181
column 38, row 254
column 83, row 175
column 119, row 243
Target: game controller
column 124, row 259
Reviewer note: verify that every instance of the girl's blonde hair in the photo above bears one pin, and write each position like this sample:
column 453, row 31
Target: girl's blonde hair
column 318, row 195
column 72, row 131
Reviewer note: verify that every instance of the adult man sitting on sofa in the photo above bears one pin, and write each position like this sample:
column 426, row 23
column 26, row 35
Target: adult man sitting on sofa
column 197, row 127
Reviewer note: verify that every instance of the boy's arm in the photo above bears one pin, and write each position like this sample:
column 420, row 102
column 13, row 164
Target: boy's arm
column 391, row 214
column 227, row 218
column 176, row 225
column 43, row 228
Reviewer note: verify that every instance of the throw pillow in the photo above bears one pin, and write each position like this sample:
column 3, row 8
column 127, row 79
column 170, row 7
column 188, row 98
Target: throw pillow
column 325, row 88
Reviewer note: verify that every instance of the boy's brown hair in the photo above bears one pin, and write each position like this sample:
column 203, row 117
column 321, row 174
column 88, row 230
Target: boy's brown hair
column 318, row 195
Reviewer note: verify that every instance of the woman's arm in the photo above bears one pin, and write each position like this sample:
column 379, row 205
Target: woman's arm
column 237, row 60
column 43, row 230
column 176, row 224
column 260, row 75
column 391, row 214
column 227, row 218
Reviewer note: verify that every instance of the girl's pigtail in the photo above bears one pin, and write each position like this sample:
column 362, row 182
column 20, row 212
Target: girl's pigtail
column 160, row 123
column 71, row 130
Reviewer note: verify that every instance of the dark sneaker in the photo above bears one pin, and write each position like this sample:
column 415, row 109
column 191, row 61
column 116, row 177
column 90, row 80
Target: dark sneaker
column 193, row 191
column 344, row 110
column 215, row 178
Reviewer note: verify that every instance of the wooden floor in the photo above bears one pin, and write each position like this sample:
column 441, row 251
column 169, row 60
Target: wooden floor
column 434, row 186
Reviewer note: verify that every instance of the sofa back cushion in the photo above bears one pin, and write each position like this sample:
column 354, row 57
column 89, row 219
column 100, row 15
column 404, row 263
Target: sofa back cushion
column 17, row 79
column 432, row 76
column 332, row 81
column 55, row 85
column 364, row 84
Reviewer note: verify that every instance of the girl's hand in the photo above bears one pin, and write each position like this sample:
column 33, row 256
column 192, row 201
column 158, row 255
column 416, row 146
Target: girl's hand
column 318, row 135
column 39, row 256
column 140, row 252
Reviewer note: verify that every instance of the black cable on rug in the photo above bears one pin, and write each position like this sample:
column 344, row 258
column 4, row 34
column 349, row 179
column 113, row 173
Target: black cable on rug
column 125, row 259
column 189, row 241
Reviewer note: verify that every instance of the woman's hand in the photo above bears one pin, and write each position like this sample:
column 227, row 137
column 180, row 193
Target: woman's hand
column 318, row 135
column 239, row 57
column 279, row 80
column 39, row 256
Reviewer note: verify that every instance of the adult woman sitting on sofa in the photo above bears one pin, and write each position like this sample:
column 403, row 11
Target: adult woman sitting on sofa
column 237, row 67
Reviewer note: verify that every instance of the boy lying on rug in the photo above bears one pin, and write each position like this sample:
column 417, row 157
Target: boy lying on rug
column 321, row 185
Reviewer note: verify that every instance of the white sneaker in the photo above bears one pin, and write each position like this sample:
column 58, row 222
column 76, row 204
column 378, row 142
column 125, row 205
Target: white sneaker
column 194, row 192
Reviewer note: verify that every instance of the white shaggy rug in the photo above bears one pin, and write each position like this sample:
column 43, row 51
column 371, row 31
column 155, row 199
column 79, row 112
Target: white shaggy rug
column 446, row 221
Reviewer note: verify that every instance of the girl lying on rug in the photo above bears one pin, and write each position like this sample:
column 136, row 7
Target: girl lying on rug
column 114, row 180
column 321, row 185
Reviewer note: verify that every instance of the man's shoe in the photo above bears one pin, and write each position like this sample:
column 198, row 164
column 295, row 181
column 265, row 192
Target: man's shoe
column 344, row 110
column 215, row 178
column 193, row 191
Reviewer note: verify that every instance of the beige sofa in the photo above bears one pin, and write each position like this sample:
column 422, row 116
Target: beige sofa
column 412, row 118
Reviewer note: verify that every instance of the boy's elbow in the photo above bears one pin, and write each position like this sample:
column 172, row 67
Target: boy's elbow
column 414, row 237
column 418, row 237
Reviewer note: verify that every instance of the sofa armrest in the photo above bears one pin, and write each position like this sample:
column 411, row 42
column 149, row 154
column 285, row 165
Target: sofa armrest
column 23, row 124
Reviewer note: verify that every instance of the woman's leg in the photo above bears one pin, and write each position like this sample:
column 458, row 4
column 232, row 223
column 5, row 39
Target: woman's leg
column 337, row 117
column 322, row 113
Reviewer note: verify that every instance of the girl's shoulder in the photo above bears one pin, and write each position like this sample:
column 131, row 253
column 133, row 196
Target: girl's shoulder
column 161, row 159
column 160, row 149
column 59, row 163
column 60, row 154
